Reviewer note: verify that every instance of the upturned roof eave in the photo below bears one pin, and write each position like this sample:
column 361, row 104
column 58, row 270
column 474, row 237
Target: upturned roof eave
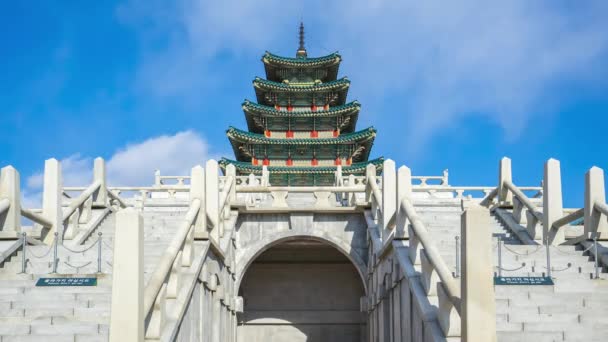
column 255, row 138
column 350, row 108
column 340, row 84
column 356, row 168
column 312, row 62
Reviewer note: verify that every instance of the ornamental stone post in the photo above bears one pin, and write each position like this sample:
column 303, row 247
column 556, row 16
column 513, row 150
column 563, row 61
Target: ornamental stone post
column 51, row 198
column 231, row 172
column 127, row 311
column 265, row 176
column 10, row 220
column 504, row 174
column 552, row 202
column 594, row 193
column 212, row 198
column 478, row 311
column 197, row 191
column 100, row 197
column 370, row 175
column 389, row 196
column 404, row 190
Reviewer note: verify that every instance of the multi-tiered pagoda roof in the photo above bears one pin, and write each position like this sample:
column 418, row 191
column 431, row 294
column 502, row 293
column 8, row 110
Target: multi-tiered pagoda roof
column 301, row 127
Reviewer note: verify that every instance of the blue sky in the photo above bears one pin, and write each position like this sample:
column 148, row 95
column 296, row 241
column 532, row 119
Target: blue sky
column 457, row 85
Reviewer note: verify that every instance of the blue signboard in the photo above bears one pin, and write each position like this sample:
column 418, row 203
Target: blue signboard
column 523, row 281
column 66, row 282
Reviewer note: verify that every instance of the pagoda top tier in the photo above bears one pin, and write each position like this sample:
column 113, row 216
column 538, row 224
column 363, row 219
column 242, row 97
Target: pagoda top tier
column 280, row 68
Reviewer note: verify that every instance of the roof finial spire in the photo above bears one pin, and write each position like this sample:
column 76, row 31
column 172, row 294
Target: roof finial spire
column 301, row 53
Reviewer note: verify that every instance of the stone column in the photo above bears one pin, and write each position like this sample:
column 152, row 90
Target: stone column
column 552, row 202
column 197, row 191
column 100, row 197
column 127, row 312
column 10, row 220
column 389, row 196
column 504, row 174
column 51, row 198
column 404, row 190
column 478, row 310
column 594, row 192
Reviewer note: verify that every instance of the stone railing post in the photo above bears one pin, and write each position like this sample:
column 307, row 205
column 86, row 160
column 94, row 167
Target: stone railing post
column 231, row 172
column 51, row 199
column 157, row 181
column 212, row 205
column 338, row 175
column 352, row 199
column 504, row 174
column 10, row 220
column 127, row 311
column 197, row 191
column 445, row 178
column 100, row 197
column 404, row 190
column 552, row 202
column 478, row 311
column 594, row 192
column 265, row 176
column 370, row 175
column 389, row 196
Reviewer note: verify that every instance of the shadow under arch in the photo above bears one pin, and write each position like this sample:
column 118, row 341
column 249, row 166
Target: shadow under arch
column 301, row 288
column 255, row 250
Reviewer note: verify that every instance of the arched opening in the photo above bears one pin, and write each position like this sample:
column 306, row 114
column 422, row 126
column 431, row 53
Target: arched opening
column 301, row 291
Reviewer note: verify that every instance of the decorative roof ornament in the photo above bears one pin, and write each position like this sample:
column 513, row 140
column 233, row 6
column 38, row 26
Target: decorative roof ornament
column 301, row 53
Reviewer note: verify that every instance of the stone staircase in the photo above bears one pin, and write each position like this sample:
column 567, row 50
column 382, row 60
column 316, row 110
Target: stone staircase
column 574, row 309
column 30, row 313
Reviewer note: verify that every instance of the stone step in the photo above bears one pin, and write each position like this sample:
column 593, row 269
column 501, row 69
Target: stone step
column 537, row 336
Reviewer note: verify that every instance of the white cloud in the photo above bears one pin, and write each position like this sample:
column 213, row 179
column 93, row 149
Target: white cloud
column 172, row 154
column 193, row 32
column 433, row 62
column 132, row 165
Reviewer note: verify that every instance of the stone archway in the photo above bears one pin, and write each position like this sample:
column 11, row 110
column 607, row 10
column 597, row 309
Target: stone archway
column 246, row 256
column 301, row 289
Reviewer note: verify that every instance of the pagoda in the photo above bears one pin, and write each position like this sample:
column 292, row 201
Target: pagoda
column 301, row 127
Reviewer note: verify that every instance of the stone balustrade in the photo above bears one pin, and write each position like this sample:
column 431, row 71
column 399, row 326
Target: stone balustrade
column 435, row 303
column 58, row 215
column 546, row 218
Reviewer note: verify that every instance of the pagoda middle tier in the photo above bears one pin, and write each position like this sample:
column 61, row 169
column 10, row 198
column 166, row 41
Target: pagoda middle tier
column 268, row 120
column 301, row 127
column 260, row 149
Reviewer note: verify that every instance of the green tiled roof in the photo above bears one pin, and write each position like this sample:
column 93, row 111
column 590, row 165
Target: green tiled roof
column 356, row 168
column 352, row 107
column 337, row 85
column 330, row 59
column 248, row 137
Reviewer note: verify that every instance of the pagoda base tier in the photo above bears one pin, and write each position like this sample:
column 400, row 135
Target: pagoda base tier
column 301, row 175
